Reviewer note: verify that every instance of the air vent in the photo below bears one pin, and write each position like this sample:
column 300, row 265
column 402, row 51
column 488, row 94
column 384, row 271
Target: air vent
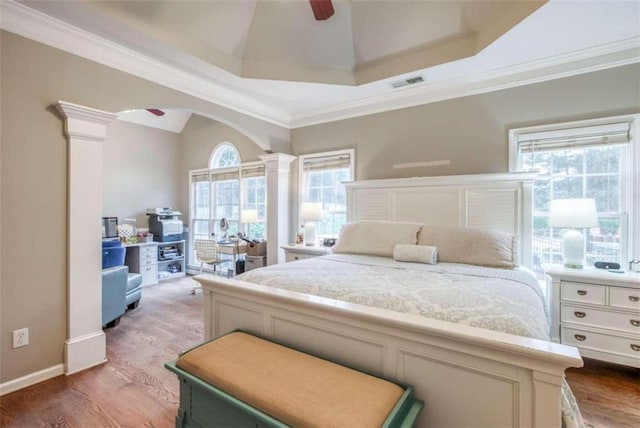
column 406, row 82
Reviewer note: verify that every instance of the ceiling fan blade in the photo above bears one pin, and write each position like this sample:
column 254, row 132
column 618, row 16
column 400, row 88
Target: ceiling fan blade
column 155, row 111
column 322, row 9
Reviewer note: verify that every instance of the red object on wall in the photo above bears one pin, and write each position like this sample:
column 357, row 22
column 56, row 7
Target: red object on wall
column 322, row 9
column 156, row 111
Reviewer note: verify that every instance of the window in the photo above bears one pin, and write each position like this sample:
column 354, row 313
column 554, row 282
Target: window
column 321, row 178
column 223, row 191
column 588, row 159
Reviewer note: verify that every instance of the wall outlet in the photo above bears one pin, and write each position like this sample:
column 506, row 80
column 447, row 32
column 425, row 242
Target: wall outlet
column 20, row 337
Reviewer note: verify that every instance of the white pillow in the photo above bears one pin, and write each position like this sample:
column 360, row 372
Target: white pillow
column 471, row 246
column 416, row 254
column 375, row 237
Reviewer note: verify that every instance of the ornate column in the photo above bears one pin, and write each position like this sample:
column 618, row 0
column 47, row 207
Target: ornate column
column 277, row 167
column 85, row 129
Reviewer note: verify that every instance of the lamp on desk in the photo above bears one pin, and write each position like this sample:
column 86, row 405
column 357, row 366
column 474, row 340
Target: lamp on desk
column 310, row 212
column 249, row 217
column 574, row 214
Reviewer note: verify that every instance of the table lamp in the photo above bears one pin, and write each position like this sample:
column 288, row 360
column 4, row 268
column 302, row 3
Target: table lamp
column 574, row 214
column 310, row 212
column 249, row 217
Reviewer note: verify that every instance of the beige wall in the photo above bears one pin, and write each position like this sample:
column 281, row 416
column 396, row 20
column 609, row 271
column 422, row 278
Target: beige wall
column 141, row 170
column 34, row 183
column 471, row 132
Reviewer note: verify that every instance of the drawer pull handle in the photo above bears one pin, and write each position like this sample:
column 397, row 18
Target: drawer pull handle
column 582, row 337
column 579, row 314
column 635, row 347
column 634, row 298
column 635, row 323
column 582, row 292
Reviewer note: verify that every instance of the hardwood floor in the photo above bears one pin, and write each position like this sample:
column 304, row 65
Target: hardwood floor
column 135, row 390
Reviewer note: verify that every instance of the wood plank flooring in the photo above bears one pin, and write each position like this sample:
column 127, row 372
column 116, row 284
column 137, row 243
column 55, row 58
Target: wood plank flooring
column 134, row 389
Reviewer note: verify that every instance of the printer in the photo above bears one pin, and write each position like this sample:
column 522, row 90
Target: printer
column 165, row 224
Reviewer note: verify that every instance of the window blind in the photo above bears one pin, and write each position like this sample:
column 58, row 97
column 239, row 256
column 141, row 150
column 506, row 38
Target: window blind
column 199, row 176
column 225, row 174
column 327, row 162
column 563, row 139
column 252, row 171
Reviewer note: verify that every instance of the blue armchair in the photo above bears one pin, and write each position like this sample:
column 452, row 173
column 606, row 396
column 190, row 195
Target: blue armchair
column 113, row 254
column 114, row 287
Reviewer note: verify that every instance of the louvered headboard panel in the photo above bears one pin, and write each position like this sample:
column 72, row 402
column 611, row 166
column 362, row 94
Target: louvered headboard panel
column 489, row 201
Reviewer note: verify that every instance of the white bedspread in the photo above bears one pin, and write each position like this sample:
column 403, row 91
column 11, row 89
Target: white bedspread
column 505, row 300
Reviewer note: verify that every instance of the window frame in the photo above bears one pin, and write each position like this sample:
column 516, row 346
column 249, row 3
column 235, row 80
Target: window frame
column 301, row 174
column 210, row 172
column 629, row 167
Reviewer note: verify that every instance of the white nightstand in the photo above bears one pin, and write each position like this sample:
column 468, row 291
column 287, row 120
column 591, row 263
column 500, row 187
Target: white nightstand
column 298, row 252
column 597, row 311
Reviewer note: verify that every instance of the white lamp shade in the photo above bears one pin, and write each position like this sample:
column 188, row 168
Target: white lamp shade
column 311, row 211
column 576, row 213
column 249, row 216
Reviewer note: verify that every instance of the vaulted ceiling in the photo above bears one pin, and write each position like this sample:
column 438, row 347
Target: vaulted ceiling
column 272, row 60
column 363, row 41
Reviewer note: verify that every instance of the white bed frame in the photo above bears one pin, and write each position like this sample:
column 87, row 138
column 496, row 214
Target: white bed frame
column 466, row 376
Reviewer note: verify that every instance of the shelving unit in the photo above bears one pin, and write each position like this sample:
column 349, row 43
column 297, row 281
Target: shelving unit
column 171, row 254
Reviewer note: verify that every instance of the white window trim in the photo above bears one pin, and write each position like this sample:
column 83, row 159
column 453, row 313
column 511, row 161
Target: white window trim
column 209, row 172
column 630, row 184
column 301, row 160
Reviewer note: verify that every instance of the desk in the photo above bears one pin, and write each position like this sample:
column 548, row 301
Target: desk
column 233, row 250
column 142, row 258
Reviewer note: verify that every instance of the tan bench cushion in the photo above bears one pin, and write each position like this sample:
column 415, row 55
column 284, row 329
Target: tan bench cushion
column 291, row 386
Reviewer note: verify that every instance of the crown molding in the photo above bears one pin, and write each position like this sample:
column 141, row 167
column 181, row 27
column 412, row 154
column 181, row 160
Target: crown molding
column 580, row 62
column 32, row 24
column 29, row 23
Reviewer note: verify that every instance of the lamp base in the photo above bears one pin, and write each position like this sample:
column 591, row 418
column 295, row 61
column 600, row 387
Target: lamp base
column 573, row 249
column 309, row 234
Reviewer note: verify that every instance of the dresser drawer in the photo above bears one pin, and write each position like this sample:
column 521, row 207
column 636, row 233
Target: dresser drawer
column 583, row 293
column 619, row 321
column 292, row 257
column 628, row 298
column 149, row 251
column 149, row 274
column 148, row 261
column 601, row 342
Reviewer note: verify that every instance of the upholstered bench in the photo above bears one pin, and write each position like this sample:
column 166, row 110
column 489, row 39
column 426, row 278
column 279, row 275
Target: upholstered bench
column 241, row 380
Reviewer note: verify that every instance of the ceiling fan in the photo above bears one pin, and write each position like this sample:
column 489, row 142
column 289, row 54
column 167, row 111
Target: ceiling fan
column 322, row 9
column 155, row 111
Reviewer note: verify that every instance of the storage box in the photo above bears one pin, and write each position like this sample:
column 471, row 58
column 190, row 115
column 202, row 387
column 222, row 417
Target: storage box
column 241, row 380
column 254, row 262
column 254, row 249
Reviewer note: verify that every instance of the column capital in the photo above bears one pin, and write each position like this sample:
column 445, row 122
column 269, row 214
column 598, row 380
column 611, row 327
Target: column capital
column 279, row 161
column 84, row 123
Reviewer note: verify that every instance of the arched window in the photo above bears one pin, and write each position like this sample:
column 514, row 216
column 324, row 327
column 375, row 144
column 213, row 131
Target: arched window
column 224, row 156
column 229, row 190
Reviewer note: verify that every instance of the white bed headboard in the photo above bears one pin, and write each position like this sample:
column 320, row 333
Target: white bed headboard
column 489, row 201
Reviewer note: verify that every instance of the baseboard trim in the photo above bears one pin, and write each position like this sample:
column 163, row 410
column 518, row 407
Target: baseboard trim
column 85, row 352
column 31, row 379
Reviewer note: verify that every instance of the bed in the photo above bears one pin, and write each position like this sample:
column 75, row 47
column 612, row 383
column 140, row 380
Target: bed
column 476, row 355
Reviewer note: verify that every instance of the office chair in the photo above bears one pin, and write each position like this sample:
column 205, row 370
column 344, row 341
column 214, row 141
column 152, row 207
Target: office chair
column 207, row 253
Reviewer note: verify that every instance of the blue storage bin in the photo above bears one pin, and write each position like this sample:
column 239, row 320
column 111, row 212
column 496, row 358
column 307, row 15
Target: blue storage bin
column 113, row 253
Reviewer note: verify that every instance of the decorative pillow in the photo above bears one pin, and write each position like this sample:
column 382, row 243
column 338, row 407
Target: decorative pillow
column 471, row 246
column 375, row 237
column 416, row 254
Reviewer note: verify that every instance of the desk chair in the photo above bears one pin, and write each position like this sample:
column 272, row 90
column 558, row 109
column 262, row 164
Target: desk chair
column 207, row 253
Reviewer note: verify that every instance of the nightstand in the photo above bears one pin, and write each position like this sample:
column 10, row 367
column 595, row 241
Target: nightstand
column 597, row 311
column 299, row 252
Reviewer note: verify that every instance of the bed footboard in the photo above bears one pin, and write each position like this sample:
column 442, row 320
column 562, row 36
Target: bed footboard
column 466, row 376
